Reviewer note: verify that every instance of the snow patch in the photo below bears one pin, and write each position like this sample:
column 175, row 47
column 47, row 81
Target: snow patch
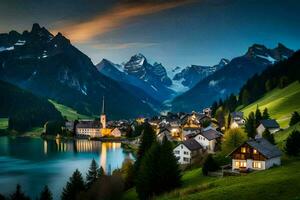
column 178, row 87
column 269, row 58
column 213, row 83
column 20, row 43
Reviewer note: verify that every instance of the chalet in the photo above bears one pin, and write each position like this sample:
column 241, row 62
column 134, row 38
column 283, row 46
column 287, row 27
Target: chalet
column 164, row 132
column 237, row 119
column 189, row 132
column 209, row 138
column 269, row 124
column 187, row 151
column 258, row 154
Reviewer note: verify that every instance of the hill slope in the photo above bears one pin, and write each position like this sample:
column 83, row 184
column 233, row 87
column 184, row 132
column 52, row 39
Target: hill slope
column 281, row 103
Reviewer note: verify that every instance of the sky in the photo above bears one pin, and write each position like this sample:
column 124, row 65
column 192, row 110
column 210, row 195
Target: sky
column 173, row 32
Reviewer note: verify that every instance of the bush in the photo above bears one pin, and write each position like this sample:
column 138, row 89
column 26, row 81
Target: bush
column 292, row 146
column 294, row 119
column 210, row 165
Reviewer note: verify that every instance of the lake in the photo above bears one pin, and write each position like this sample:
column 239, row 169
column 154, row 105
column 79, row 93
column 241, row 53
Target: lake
column 34, row 162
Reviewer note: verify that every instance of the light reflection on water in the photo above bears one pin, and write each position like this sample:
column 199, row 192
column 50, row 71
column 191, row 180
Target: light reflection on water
column 33, row 162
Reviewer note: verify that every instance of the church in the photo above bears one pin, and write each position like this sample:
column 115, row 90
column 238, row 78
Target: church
column 94, row 128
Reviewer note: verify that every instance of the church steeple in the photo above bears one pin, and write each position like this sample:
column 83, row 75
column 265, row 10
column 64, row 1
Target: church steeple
column 103, row 104
column 103, row 116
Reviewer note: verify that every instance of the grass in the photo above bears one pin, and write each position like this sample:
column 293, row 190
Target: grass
column 3, row 123
column 70, row 113
column 281, row 103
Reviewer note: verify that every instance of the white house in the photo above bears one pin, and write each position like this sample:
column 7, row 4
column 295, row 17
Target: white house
column 237, row 119
column 258, row 154
column 116, row 132
column 269, row 124
column 208, row 138
column 89, row 128
column 187, row 151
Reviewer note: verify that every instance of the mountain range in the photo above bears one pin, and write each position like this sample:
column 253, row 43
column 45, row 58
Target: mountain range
column 230, row 78
column 50, row 66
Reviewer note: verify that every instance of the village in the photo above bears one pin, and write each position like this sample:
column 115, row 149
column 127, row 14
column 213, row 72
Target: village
column 195, row 135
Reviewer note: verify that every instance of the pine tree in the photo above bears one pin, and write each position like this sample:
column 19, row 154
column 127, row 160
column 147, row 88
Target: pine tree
column 18, row 194
column 210, row 165
column 266, row 114
column 292, row 146
column 245, row 97
column 74, row 186
column 250, row 125
column 46, row 194
column 294, row 119
column 228, row 121
column 268, row 136
column 258, row 116
column 147, row 139
column 92, row 174
column 100, row 172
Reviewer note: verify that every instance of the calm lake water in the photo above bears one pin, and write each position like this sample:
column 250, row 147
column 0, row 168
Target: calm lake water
column 34, row 162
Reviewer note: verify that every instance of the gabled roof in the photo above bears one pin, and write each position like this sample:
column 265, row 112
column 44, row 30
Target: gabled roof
column 263, row 146
column 164, row 130
column 237, row 114
column 211, row 134
column 89, row 124
column 192, row 144
column 270, row 123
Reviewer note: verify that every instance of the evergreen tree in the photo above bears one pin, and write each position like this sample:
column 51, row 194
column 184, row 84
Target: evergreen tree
column 232, row 139
column 266, row 114
column 292, row 146
column 294, row 119
column 268, row 85
column 258, row 116
column 2, row 197
column 18, row 194
column 100, row 172
column 159, row 171
column 46, row 194
column 74, row 186
column 147, row 139
column 250, row 125
column 92, row 174
column 214, row 108
column 228, row 121
column 245, row 97
column 268, row 136
column 220, row 116
column 210, row 165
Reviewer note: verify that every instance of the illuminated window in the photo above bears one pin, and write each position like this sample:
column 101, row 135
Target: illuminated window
column 254, row 151
column 237, row 164
column 243, row 149
column 257, row 165
column 243, row 164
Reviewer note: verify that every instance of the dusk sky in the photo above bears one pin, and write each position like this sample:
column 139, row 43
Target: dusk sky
column 176, row 33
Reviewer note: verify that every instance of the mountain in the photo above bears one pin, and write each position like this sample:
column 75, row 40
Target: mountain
column 24, row 109
column 52, row 67
column 191, row 75
column 230, row 78
column 152, row 80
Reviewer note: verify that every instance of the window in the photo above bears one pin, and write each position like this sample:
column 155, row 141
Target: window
column 243, row 149
column 257, row 165
column 239, row 164
column 176, row 152
column 186, row 159
column 255, row 151
column 186, row 153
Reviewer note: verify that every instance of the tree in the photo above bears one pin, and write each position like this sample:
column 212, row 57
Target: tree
column 283, row 82
column 220, row 116
column 268, row 85
column 210, row 165
column 258, row 116
column 46, row 194
column 268, row 136
column 159, row 171
column 100, row 172
column 18, row 194
column 228, row 121
column 245, row 97
column 232, row 139
column 92, row 174
column 214, row 108
column 295, row 118
column 250, row 125
column 2, row 197
column 74, row 186
column 147, row 139
column 266, row 114
column 292, row 146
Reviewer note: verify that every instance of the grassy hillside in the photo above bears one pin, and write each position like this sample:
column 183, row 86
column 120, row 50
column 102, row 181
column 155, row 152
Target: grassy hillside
column 70, row 113
column 3, row 123
column 280, row 102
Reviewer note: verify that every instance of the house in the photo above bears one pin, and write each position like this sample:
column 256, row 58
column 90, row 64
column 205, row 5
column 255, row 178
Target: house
column 116, row 132
column 189, row 132
column 237, row 119
column 164, row 132
column 188, row 151
column 269, row 124
column 89, row 128
column 209, row 138
column 255, row 154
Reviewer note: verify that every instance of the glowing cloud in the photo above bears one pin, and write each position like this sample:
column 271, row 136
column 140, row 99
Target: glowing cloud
column 114, row 19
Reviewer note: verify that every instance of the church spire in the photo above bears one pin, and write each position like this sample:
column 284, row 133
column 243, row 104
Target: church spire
column 103, row 106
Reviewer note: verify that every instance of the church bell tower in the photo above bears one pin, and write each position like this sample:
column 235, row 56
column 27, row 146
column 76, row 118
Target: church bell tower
column 103, row 116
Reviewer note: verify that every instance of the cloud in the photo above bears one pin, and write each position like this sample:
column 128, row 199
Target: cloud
column 114, row 19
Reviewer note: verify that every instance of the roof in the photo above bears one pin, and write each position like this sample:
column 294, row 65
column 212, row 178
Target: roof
column 211, row 134
column 264, row 147
column 89, row 124
column 237, row 114
column 192, row 144
column 270, row 123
